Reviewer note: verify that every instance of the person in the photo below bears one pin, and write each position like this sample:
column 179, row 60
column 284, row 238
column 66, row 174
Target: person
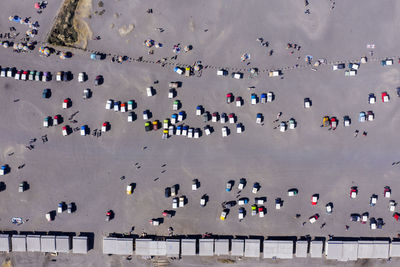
column 347, row 227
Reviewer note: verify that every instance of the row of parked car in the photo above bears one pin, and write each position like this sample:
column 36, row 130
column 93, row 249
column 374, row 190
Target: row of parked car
column 25, row 75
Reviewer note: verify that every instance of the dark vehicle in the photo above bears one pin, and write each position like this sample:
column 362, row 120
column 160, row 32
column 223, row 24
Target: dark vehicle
column 380, row 223
column 46, row 93
column 109, row 215
column 99, row 80
column 167, row 192
column 206, row 116
column 355, row 217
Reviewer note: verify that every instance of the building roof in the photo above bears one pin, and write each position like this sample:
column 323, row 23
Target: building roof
column 148, row 247
column 47, row 243
column 316, row 247
column 237, row 247
column 252, row 248
column 173, row 247
column 33, row 243
column 395, row 249
column 63, row 244
column 281, row 249
column 18, row 243
column 301, row 248
column 5, row 243
column 117, row 246
column 188, row 247
column 206, row 247
column 378, row 249
column 221, row 247
column 80, row 244
column 342, row 250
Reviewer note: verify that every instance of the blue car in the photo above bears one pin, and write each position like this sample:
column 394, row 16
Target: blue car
column 185, row 130
column 229, row 185
column 361, row 116
column 263, row 98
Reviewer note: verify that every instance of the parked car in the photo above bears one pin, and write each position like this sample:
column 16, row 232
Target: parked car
column 373, row 199
column 81, row 77
column 307, row 103
column 129, row 189
column 214, row 117
column 278, row 203
column 329, row 208
column 232, row 118
column 364, row 217
column 346, row 121
column 145, row 115
column 167, row 192
column 46, row 93
column 223, row 215
column 66, row 103
column 190, row 133
column 131, row 116
column 361, row 116
column 38, row 76
column 371, row 98
column 282, row 127
column 105, row 126
column 229, row 185
column 239, row 128
column 261, row 212
column 70, row 208
column 176, row 105
column 156, row 124
column 292, row 124
column 18, row 75
column 253, row 210
column 31, row 75
column 256, row 187
column 24, row 75
column 263, row 98
column 171, row 93
column 372, row 223
column 241, row 213
column 333, row 123
column 178, row 130
column 387, row 192
column 270, row 96
column 243, row 201
column 326, row 121
column 59, row 76
column 60, row 207
column 353, row 192
column 181, row 201
column 86, row 93
column 207, row 130
column 253, row 99
column 181, row 115
column 185, row 130
column 195, row 184
column 229, row 98
column 199, row 110
column 203, row 201
column 242, row 183
column 3, row 72
column 239, row 101
column 98, row 80
column 83, row 130
column 196, row 133
column 175, row 203
column 224, row 131
column 117, row 106
column 147, row 126
column 130, row 105
column 314, row 199
column 57, row 120
column 292, row 192
column 314, row 218
column 385, row 97
column 370, row 116
column 354, row 217
column 110, row 104
column 392, row 205
column 46, row 122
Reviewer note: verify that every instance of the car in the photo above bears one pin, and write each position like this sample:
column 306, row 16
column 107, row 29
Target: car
column 95, row 56
column 353, row 192
column 274, row 73
column 261, row 212
column 329, row 208
column 196, row 133
column 380, row 223
column 263, row 98
column 243, row 201
column 387, row 192
column 242, row 183
column 314, row 199
column 372, row 223
column 3, row 72
column 188, row 71
column 237, row 75
column 46, row 76
column 253, row 210
column 229, row 98
column 232, row 118
column 145, row 115
column 87, row 93
column 83, row 130
column 110, row 104
column 38, row 76
column 105, row 126
column 59, row 76
column 256, row 187
column 21, row 187
column 224, row 131
column 24, row 75
column 253, row 99
column 307, row 103
column 229, row 185
column 147, row 126
column 364, row 217
column 270, row 97
column 66, row 76
column 178, row 130
column 292, row 192
column 222, row 217
column 373, row 199
column 333, row 123
column 370, row 116
column 346, row 121
column 206, row 116
column 31, row 75
column 181, row 115
column 130, row 105
column 314, row 218
column 46, row 122
column 98, row 80
column 282, row 127
column 46, row 93
column 392, row 205
column 361, row 116
column 239, row 128
column 11, row 72
column 176, row 105
column 181, row 201
column 292, row 124
column 214, row 117
column 131, row 116
column 57, row 120
column 385, row 97
column 66, row 103
column 156, row 125
column 18, row 75
column 60, row 207
column 371, row 98
column 207, row 130
column 117, row 106
column 259, row 200
column 222, row 72
column 223, row 118
column 166, row 124
column 179, row 70
column 175, row 203
column 326, row 121
column 81, row 77
column 354, row 66
column 167, row 192
column 199, row 110
column 171, row 93
column 195, row 184
column 49, row 217
column 185, row 130
column 203, row 201
column 349, row 73
column 338, row 66
column 278, row 203
column 171, row 130
column 239, row 101
column 129, row 189
column 173, row 85
column 241, row 213
column 174, row 190
column 387, row 62
column 396, row 216
column 354, row 217
column 190, row 133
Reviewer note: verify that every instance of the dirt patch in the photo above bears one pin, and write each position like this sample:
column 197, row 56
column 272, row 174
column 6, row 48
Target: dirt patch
column 70, row 28
column 126, row 29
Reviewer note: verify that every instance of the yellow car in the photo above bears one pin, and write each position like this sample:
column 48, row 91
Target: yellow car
column 325, row 121
column 223, row 216
column 129, row 189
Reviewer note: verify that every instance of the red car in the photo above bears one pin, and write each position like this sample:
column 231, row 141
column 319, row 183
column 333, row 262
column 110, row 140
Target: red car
column 333, row 123
column 353, row 192
column 385, row 97
column 314, row 218
column 229, row 98
column 396, row 216
column 314, row 199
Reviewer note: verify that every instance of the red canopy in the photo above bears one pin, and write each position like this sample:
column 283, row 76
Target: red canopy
column 396, row 216
column 37, row 5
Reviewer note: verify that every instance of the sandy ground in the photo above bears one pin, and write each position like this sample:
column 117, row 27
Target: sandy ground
column 87, row 170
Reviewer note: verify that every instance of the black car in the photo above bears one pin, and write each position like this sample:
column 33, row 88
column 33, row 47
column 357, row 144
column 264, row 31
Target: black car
column 380, row 223
column 355, row 217
column 46, row 93
column 206, row 116
column 98, row 80
column 167, row 192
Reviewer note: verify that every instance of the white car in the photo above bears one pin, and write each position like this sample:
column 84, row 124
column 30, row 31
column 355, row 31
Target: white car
column 166, row 124
column 221, row 72
column 274, row 73
column 237, row 75
column 259, row 200
column 3, row 72
column 145, row 115
column 282, row 127
column 392, row 205
column 329, row 208
column 196, row 133
column 18, row 75
column 81, row 77
column 190, row 133
column 223, row 118
column 372, row 223
column 175, row 203
column 346, row 121
column 178, row 130
column 239, row 128
column 292, row 124
column 116, row 106
column 83, row 130
column 238, row 102
column 270, row 97
column 224, row 131
column 232, row 118
column 171, row 130
column 195, row 184
column 253, row 99
column 10, row 72
column 110, row 104
column 181, row 202
column 46, row 122
column 241, row 213
column 278, row 203
column 59, row 76
column 242, row 183
column 260, row 212
column 370, row 116
column 350, row 73
column 307, row 103
column 203, row 201
column 130, row 117
column 371, row 99
column 171, row 93
column 207, row 130
column 214, row 117
column 364, row 218
column 23, row 75
column 130, row 105
column 49, row 217
column 149, row 91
